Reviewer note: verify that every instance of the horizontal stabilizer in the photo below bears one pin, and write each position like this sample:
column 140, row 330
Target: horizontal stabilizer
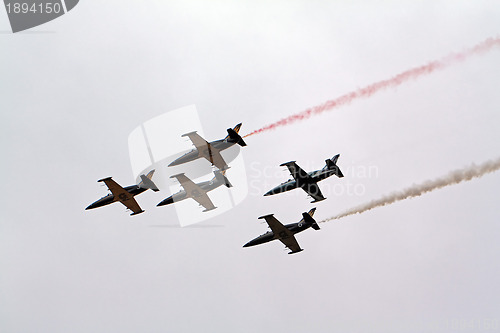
column 331, row 164
column 308, row 219
column 147, row 182
column 221, row 178
column 233, row 136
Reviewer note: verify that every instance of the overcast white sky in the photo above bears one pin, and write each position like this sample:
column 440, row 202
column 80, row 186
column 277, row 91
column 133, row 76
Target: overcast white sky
column 72, row 90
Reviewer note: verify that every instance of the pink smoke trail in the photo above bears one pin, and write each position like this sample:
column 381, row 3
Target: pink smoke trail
column 376, row 87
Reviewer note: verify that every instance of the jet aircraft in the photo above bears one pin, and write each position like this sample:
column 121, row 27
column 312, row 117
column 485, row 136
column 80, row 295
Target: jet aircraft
column 308, row 181
column 125, row 195
column 197, row 191
column 211, row 150
column 285, row 233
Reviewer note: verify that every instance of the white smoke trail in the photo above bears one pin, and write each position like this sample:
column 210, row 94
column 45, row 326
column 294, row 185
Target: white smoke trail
column 454, row 177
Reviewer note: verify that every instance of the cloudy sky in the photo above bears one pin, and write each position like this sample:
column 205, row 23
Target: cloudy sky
column 73, row 90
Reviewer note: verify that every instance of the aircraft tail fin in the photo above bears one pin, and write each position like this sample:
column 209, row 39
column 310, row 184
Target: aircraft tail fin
column 233, row 136
column 237, row 128
column 311, row 212
column 147, row 182
column 221, row 177
column 308, row 219
column 331, row 164
column 150, row 174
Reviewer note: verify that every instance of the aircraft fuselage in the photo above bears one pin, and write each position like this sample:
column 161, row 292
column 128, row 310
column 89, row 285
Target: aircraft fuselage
column 110, row 198
column 295, row 228
column 206, row 186
column 315, row 176
column 195, row 154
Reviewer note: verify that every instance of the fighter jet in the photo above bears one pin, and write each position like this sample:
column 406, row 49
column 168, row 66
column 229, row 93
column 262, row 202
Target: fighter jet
column 197, row 191
column 308, row 181
column 125, row 195
column 211, row 150
column 285, row 233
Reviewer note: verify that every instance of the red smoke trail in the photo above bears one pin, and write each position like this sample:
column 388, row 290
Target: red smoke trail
column 395, row 81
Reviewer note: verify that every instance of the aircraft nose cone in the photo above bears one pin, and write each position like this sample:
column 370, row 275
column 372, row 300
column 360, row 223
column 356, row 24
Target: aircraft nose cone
column 167, row 201
column 251, row 243
column 90, row 206
column 268, row 193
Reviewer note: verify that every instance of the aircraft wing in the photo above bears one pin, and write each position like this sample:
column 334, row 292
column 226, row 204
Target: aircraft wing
column 195, row 192
column 206, row 150
column 200, row 143
column 216, row 159
column 297, row 172
column 122, row 195
column 283, row 234
column 313, row 190
column 205, row 201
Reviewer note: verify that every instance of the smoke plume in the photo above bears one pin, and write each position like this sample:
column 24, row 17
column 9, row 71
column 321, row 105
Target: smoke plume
column 392, row 82
column 454, row 177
